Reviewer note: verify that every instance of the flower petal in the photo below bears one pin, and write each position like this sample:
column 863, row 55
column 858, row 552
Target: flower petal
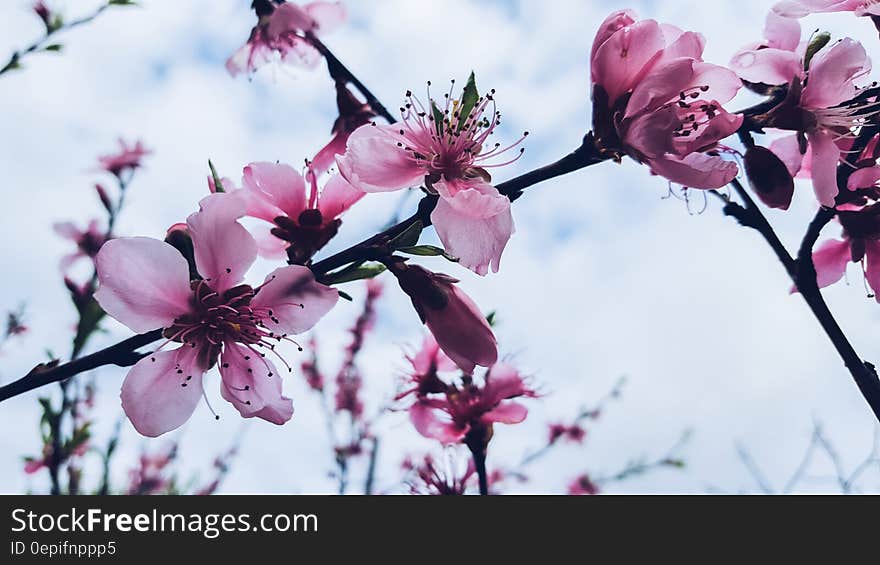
column 831, row 259
column 832, row 72
column 864, row 178
column 162, row 390
column 250, row 380
column 872, row 267
column 144, row 282
column 297, row 302
column 278, row 186
column 224, row 250
column 477, row 242
column 327, row 15
column 337, row 196
column 374, row 162
column 507, row 413
column 697, row 170
column 825, row 156
column 425, row 419
column 788, row 150
column 781, row 32
column 463, row 332
column 620, row 61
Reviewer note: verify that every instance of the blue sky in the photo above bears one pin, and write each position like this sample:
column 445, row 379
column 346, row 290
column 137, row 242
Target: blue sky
column 604, row 277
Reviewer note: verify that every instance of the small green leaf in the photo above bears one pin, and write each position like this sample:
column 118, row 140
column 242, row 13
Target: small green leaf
column 819, row 41
column 54, row 47
column 427, row 251
column 121, row 3
column 356, row 274
column 345, row 296
column 492, row 318
column 469, row 97
column 409, row 236
column 218, row 184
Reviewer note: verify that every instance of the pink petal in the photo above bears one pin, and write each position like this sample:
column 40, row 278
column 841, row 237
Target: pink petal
column 831, row 259
column 327, row 15
column 723, row 125
column 430, row 356
column 153, row 394
column 295, row 299
column 832, row 72
column 872, row 267
column 337, row 196
column 144, row 282
column 781, row 32
column 67, row 230
column 250, row 381
column 697, row 170
column 825, row 156
column 373, row 161
column 788, row 150
column 620, row 61
column 507, row 413
column 224, row 250
column 864, row 178
column 278, row 185
column 767, row 66
column 326, row 157
column 269, row 246
column 297, row 51
column 287, row 18
column 477, row 242
column 425, row 420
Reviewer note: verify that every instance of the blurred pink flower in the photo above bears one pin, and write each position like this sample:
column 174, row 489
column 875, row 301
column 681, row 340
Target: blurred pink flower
column 570, row 432
column 284, row 32
column 426, row 364
column 656, row 100
column 145, row 284
column 450, row 158
column 583, row 485
column 449, row 418
column 129, row 158
column 814, row 107
column 352, row 114
column 304, row 219
column 88, row 242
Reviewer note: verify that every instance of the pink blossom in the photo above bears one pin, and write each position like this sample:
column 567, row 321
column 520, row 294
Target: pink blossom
column 430, row 478
column 146, row 285
column 304, row 220
column 656, row 100
column 88, row 242
column 452, row 317
column 583, row 485
column 427, row 364
column 817, row 90
column 570, row 432
column 801, row 8
column 860, row 242
column 284, row 33
column 449, row 418
column 44, row 13
column 129, row 158
column 451, row 159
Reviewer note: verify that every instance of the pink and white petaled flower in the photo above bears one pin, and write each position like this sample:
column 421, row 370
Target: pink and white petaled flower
column 426, row 366
column 657, row 101
column 304, row 219
column 816, row 105
column 583, row 486
column 282, row 33
column 450, row 416
column 451, row 159
column 145, row 284
column 801, row 8
column 88, row 242
column 129, row 158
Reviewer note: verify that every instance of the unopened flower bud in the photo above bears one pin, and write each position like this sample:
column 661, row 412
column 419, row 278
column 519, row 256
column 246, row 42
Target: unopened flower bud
column 769, row 177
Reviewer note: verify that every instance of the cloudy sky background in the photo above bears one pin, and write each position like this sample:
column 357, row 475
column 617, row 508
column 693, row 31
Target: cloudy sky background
column 605, row 277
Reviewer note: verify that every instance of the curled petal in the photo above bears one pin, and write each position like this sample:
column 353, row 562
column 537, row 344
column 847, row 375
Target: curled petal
column 788, row 150
column 507, row 413
column 781, row 32
column 622, row 59
column 477, row 242
column 768, row 66
column 274, row 187
column 425, row 418
column 610, row 26
column 830, row 260
column 337, row 196
column 144, row 282
column 463, row 332
column 832, row 72
column 864, row 178
column 697, row 170
column 327, row 15
column 250, row 381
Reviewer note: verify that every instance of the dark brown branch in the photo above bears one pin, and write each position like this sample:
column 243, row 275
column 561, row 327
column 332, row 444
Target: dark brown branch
column 122, row 354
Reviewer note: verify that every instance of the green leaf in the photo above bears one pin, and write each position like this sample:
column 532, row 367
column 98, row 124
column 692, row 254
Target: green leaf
column 427, row 251
column 218, row 184
column 345, row 296
column 469, row 99
column 356, row 274
column 54, row 47
column 492, row 318
column 121, row 3
column 818, row 41
column 409, row 236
